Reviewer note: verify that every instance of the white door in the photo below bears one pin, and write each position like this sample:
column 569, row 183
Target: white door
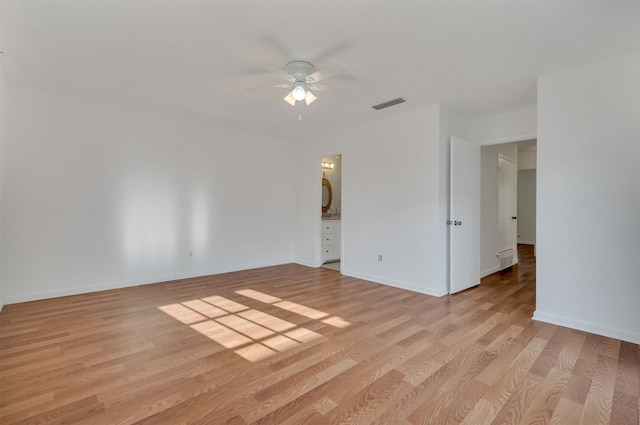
column 507, row 206
column 464, row 228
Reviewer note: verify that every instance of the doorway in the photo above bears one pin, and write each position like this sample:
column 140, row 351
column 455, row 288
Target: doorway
column 331, row 212
column 524, row 153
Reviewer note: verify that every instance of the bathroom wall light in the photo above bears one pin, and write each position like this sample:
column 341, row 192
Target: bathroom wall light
column 327, row 165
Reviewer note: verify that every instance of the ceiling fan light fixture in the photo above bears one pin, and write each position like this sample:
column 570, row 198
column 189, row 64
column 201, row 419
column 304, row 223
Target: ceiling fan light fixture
column 289, row 99
column 298, row 92
column 309, row 98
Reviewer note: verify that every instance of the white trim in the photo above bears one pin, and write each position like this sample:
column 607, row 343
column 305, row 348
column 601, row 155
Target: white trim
column 146, row 281
column 489, row 271
column 587, row 327
column 317, row 243
column 506, row 158
column 510, row 139
column 305, row 263
column 434, row 292
column 526, row 242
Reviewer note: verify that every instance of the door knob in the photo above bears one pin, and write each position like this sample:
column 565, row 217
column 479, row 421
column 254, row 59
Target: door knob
column 514, row 218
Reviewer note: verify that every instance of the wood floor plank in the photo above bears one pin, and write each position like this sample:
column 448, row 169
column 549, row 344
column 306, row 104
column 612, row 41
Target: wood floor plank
column 291, row 393
column 596, row 410
column 624, row 410
column 309, row 346
column 497, row 395
column 440, row 409
column 546, row 400
column 577, row 388
column 514, row 410
column 566, row 412
column 628, row 369
column 358, row 408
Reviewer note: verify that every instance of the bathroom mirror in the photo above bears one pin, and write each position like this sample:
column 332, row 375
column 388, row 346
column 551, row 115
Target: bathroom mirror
column 327, row 195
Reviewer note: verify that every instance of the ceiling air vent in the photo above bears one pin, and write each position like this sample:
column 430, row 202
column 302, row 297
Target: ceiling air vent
column 388, row 103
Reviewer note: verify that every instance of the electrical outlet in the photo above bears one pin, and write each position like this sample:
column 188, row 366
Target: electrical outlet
column 380, row 257
column 190, row 253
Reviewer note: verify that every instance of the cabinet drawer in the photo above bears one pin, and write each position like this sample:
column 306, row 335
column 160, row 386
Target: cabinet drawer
column 327, row 239
column 327, row 252
column 327, row 227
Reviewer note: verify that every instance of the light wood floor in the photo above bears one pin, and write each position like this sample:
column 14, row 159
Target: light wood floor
column 295, row 345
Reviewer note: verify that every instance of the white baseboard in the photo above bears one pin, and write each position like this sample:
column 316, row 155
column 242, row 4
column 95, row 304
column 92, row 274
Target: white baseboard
column 489, row 271
column 63, row 292
column 434, row 292
column 526, row 242
column 304, row 263
column 593, row 328
column 496, row 268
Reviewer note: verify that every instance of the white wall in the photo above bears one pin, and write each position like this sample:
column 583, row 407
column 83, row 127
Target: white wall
column 512, row 126
column 2, row 141
column 489, row 262
column 527, row 159
column 99, row 196
column 527, row 206
column 588, row 241
column 390, row 199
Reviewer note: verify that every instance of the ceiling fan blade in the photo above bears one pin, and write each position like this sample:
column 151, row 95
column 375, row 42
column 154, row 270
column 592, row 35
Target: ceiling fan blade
column 277, row 86
column 328, row 72
column 289, row 99
column 309, row 97
column 319, row 87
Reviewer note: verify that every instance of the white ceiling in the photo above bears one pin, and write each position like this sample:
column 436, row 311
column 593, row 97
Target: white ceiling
column 198, row 59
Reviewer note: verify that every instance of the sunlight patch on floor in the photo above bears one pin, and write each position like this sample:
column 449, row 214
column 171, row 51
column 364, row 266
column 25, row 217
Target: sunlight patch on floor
column 205, row 309
column 267, row 320
column 265, row 298
column 225, row 304
column 221, row 334
column 303, row 335
column 245, row 327
column 336, row 321
column 252, row 334
column 301, row 310
column 182, row 313
column 255, row 352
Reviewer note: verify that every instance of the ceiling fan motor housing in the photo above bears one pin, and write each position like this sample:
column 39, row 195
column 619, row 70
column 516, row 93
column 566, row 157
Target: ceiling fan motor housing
column 300, row 70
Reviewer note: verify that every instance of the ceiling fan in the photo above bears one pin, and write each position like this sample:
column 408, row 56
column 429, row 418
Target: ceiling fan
column 302, row 78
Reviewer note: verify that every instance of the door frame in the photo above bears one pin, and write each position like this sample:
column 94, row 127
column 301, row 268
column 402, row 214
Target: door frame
column 507, row 140
column 317, row 250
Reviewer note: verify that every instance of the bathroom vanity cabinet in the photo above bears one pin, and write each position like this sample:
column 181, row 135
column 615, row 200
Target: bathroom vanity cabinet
column 330, row 240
